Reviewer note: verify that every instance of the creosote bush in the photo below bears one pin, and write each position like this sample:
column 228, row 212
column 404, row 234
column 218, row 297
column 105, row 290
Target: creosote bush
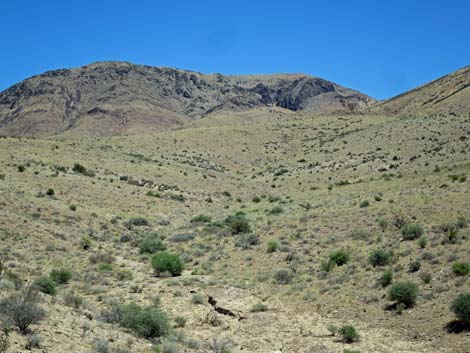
column 148, row 322
column 60, row 276
column 461, row 307
column 404, row 293
column 461, row 268
column 380, row 257
column 165, row 262
column 386, row 278
column 349, row 334
column 340, row 257
column 412, row 231
column 46, row 285
column 237, row 224
column 201, row 219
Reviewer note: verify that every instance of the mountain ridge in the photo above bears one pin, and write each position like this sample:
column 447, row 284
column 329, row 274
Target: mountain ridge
column 108, row 98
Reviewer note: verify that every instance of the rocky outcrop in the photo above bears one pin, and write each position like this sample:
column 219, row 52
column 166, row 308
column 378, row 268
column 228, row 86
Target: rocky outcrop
column 116, row 97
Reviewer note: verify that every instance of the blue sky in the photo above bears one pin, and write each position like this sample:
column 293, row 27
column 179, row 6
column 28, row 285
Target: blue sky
column 379, row 47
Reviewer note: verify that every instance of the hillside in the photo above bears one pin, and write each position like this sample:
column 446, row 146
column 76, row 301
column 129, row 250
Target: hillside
column 449, row 94
column 110, row 98
column 287, row 225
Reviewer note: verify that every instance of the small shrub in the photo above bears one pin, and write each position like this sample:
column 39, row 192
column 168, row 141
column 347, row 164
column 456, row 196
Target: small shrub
column 461, row 307
column 149, row 322
column 73, row 300
column 414, row 266
column 151, row 244
column 238, row 224
column 340, row 257
column 461, row 268
column 21, row 168
column 256, row 199
column 167, row 262
column 180, row 237
column 425, row 277
column 198, row 298
column 386, row 278
column 364, row 204
column 380, row 257
column 46, row 285
column 245, row 241
column 60, row 276
column 21, row 309
column 80, row 169
column 180, row 321
column 137, row 222
column 422, row 242
column 34, row 341
column 348, row 334
column 273, row 245
column 383, row 224
column 412, row 231
column 201, row 219
column 283, row 276
column 276, row 210
column 405, row 293
column 50, row 192
column 259, row 307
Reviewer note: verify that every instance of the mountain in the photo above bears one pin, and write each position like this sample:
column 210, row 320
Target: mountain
column 449, row 94
column 109, row 98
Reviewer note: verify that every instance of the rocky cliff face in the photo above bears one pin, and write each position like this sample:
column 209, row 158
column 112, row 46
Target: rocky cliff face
column 116, row 97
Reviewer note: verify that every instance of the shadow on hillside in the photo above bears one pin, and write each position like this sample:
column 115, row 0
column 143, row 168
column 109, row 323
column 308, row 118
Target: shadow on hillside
column 457, row 326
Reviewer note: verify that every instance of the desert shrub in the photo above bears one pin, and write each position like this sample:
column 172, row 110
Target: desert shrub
column 50, row 192
column 256, row 199
column 198, row 298
column 283, row 276
column 245, row 241
column 414, row 266
column 425, row 277
column 405, row 293
column 340, row 257
column 380, row 257
column 461, row 268
column 102, row 257
column 165, row 262
column 149, row 322
column 151, row 244
column 201, row 219
column 364, row 204
column 180, row 321
column 273, row 245
column 259, row 307
column 21, row 309
column 461, row 307
column 237, row 224
column 181, row 237
column 412, row 231
column 276, row 210
column 60, row 276
column 348, row 334
column 422, row 242
column 73, row 300
column 33, row 341
column 137, row 222
column 104, row 267
column 80, row 169
column 386, row 278
column 46, row 285
column 21, row 168
column 351, row 351
column 383, row 224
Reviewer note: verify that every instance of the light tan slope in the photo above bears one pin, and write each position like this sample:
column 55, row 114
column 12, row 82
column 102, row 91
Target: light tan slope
column 449, row 94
